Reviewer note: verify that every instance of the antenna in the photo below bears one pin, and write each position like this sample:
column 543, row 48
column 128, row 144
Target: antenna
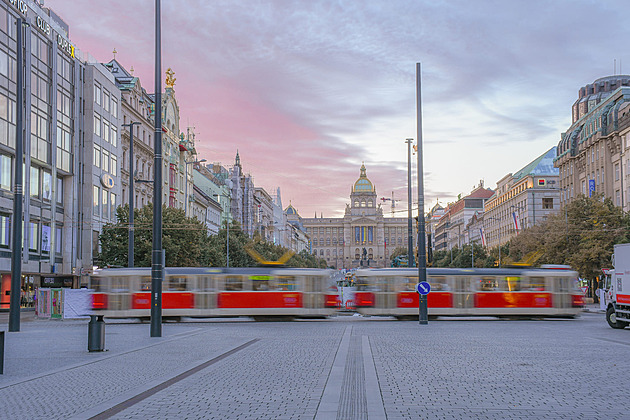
column 614, row 66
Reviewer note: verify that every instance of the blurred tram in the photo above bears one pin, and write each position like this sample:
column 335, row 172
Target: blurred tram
column 514, row 292
column 259, row 292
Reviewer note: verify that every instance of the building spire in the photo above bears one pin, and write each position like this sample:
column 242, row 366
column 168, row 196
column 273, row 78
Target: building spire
column 114, row 52
column 238, row 160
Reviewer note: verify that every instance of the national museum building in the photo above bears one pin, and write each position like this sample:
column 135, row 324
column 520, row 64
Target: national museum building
column 362, row 237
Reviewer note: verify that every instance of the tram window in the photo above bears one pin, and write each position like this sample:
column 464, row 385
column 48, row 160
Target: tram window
column 438, row 284
column 98, row 284
column 488, row 284
column 177, row 284
column 409, row 283
column 233, row 283
column 533, row 283
column 513, row 284
column 285, row 283
column 145, row 284
column 119, row 284
column 260, row 282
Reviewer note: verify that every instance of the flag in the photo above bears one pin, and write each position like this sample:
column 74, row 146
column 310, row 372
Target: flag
column 483, row 237
column 517, row 226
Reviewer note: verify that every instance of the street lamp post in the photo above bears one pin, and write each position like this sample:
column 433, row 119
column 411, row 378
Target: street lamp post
column 157, row 257
column 423, row 314
column 131, row 192
column 227, row 224
column 410, row 258
column 186, row 187
column 16, row 254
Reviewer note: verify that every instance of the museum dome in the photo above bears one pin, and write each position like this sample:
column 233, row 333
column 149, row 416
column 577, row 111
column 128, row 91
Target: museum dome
column 363, row 184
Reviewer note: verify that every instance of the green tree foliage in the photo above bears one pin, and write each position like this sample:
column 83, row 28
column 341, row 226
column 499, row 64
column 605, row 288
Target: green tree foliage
column 399, row 250
column 582, row 237
column 183, row 239
column 187, row 243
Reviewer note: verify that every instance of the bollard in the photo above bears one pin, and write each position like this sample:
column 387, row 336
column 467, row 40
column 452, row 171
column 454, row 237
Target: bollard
column 96, row 333
column 1, row 352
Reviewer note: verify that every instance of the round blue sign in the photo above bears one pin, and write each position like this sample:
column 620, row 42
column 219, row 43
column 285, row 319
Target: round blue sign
column 423, row 288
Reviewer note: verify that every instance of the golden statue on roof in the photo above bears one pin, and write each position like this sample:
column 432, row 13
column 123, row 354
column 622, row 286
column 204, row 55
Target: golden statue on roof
column 170, row 80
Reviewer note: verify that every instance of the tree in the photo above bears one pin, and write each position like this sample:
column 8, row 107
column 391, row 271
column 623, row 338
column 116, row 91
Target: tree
column 184, row 239
column 582, row 236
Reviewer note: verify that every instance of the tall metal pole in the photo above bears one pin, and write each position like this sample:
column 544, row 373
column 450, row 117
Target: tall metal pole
column 16, row 254
column 157, row 272
column 130, row 245
column 186, row 188
column 228, row 237
column 410, row 257
column 422, row 259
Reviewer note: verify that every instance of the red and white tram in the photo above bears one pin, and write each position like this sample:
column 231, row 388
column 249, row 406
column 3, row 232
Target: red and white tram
column 259, row 292
column 514, row 292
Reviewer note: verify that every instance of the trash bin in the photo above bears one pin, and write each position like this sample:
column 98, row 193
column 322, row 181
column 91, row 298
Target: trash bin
column 96, row 333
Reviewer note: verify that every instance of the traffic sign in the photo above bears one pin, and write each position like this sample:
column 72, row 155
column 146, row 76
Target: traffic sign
column 423, row 288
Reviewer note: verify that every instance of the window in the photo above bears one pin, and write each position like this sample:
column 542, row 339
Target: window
column 96, row 200
column 97, row 124
column 106, row 100
column 114, row 107
column 59, row 190
column 97, row 93
column 45, row 244
column 105, row 130
column 616, row 172
column 105, row 160
column 34, row 182
column 46, row 185
column 97, row 156
column 618, row 198
column 5, row 231
column 113, row 165
column 33, row 229
column 547, row 203
column 113, row 205
column 5, row 172
column 114, row 139
column 105, row 204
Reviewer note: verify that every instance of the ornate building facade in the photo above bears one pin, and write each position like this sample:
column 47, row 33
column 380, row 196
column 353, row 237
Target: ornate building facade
column 362, row 237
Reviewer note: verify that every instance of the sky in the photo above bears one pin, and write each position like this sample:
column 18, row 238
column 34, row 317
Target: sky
column 307, row 91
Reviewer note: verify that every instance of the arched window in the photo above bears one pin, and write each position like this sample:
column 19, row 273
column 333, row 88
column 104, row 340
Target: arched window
column 370, row 254
column 321, row 252
column 314, row 241
column 328, row 252
column 362, row 203
column 356, row 203
column 328, row 241
column 357, row 254
column 370, row 203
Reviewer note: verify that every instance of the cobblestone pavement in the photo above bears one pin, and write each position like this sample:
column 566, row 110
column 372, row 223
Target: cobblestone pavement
column 342, row 368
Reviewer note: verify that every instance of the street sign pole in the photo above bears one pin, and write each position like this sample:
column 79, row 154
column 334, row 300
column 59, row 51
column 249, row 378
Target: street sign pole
column 423, row 288
column 422, row 256
column 423, row 312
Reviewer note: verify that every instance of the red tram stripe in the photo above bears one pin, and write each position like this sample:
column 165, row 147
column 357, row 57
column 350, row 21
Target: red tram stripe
column 170, row 300
column 512, row 300
column 434, row 300
column 260, row 300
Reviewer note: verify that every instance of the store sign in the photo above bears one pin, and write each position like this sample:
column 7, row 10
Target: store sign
column 65, row 45
column 43, row 25
column 107, row 181
column 20, row 5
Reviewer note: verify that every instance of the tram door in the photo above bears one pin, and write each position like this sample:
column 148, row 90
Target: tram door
column 384, row 289
column 561, row 296
column 462, row 294
column 311, row 295
column 206, row 296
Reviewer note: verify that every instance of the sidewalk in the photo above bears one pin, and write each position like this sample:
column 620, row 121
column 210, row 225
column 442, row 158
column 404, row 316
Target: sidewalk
column 593, row 307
